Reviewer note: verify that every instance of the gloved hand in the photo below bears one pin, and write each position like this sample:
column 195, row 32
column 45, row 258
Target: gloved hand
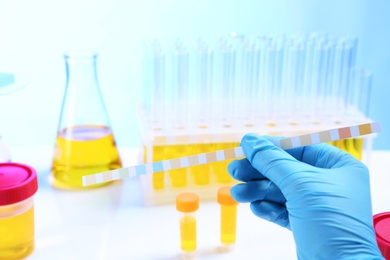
column 319, row 192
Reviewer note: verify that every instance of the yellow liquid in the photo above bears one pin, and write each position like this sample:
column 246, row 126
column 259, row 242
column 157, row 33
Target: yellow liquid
column 178, row 177
column 188, row 233
column 83, row 150
column 354, row 146
column 17, row 235
column 158, row 177
column 201, row 173
column 220, row 168
column 228, row 224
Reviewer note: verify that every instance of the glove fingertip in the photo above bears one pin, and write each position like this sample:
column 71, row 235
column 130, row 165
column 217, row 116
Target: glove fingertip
column 232, row 168
column 251, row 142
column 235, row 191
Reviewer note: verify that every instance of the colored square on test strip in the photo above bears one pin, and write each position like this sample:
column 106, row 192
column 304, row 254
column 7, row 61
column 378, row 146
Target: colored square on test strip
column 344, row 132
column 193, row 160
column 140, row 169
column 158, row 167
column 123, row 173
column 107, row 176
column 211, row 157
column 305, row 140
column 175, row 163
column 229, row 154
column 90, row 179
column 325, row 136
column 286, row 143
column 365, row 129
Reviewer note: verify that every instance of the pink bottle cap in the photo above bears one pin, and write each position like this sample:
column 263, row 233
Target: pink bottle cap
column 17, row 183
column 382, row 232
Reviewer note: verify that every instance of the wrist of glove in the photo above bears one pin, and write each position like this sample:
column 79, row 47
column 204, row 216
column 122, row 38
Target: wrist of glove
column 319, row 192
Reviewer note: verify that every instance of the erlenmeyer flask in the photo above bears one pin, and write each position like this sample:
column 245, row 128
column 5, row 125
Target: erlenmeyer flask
column 85, row 143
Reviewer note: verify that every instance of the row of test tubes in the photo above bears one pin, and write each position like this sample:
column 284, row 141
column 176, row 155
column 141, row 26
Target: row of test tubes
column 203, row 95
column 238, row 80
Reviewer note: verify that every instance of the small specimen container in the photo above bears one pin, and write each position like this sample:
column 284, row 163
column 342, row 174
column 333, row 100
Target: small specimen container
column 228, row 215
column 382, row 232
column 187, row 203
column 18, row 184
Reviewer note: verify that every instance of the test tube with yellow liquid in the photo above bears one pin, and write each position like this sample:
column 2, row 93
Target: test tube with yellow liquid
column 159, row 154
column 201, row 173
column 85, row 143
column 178, row 177
column 220, row 168
column 353, row 146
column 187, row 203
column 228, row 216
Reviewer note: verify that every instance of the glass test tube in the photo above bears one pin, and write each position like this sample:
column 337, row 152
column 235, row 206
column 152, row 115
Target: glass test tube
column 345, row 68
column 158, row 87
column 157, row 106
column 203, row 84
column 158, row 154
column 359, row 91
column 201, row 110
column 272, row 81
column 201, row 173
column 227, row 83
column 220, row 168
column 249, row 81
column 180, row 92
column 187, row 203
column 228, row 215
column 267, row 80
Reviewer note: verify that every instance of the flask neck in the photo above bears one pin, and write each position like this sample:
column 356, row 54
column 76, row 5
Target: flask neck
column 81, row 69
column 83, row 102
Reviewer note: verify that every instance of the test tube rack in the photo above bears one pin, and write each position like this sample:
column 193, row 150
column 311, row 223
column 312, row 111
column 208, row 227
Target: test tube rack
column 202, row 97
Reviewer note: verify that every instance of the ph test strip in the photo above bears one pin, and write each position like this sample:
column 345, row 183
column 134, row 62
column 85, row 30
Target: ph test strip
column 232, row 153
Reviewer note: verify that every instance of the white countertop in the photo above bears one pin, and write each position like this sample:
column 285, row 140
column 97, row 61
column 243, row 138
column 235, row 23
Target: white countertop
column 112, row 223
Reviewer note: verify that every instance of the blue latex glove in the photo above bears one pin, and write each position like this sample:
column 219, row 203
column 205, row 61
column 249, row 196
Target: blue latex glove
column 319, row 192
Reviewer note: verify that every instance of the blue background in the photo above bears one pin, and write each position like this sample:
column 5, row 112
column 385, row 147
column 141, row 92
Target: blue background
column 34, row 35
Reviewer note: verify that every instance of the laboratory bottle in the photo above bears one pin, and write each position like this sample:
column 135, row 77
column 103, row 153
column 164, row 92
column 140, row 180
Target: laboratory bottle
column 85, row 142
column 187, row 203
column 18, row 184
column 228, row 216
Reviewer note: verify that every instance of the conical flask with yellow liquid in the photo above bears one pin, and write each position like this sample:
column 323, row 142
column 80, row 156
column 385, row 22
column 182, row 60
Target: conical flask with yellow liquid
column 85, row 143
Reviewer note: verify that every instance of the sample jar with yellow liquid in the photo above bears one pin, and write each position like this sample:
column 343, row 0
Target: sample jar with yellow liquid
column 228, row 216
column 187, row 203
column 18, row 184
column 85, row 143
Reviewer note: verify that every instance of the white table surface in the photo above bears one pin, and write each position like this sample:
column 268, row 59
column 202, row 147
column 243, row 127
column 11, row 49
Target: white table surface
column 112, row 223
